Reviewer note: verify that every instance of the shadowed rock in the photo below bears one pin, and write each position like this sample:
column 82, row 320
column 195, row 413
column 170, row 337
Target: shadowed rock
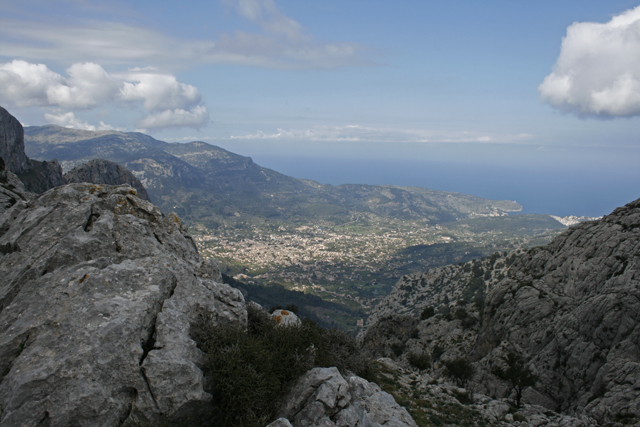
column 12, row 143
column 37, row 176
column 100, row 171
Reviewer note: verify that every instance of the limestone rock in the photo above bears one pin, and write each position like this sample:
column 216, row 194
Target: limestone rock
column 569, row 309
column 42, row 176
column 12, row 143
column 37, row 176
column 285, row 318
column 323, row 397
column 98, row 296
column 11, row 189
column 100, row 171
column 280, row 422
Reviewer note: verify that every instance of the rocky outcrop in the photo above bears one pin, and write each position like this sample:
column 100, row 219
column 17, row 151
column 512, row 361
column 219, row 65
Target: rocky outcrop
column 98, row 296
column 323, row 397
column 12, row 143
column 100, row 171
column 42, row 176
column 569, row 309
column 37, row 176
column 11, row 189
column 572, row 308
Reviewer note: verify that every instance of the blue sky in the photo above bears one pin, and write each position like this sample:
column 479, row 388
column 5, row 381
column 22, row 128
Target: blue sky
column 544, row 87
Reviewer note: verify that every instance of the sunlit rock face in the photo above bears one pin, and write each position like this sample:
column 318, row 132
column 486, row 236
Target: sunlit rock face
column 98, row 294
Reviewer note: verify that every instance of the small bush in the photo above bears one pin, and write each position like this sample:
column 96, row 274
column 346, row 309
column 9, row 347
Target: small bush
column 461, row 370
column 436, row 353
column 292, row 308
column 518, row 416
column 397, row 349
column 420, row 361
column 427, row 313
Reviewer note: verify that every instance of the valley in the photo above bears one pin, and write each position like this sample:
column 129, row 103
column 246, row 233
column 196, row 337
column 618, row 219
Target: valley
column 357, row 263
column 283, row 240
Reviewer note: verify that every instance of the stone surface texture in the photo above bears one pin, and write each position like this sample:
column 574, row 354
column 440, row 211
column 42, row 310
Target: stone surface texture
column 11, row 189
column 100, row 171
column 323, row 397
column 286, row 318
column 570, row 309
column 97, row 297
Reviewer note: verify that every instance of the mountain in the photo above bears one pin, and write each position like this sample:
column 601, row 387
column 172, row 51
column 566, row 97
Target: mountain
column 568, row 309
column 207, row 184
column 110, row 318
column 36, row 176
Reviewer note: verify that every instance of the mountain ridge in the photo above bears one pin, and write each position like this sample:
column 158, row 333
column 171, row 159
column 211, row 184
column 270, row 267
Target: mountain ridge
column 196, row 168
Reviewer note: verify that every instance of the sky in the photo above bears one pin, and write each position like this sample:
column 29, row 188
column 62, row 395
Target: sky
column 536, row 102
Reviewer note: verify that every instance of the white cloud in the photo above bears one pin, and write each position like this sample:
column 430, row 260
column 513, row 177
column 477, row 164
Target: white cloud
column 89, row 86
column 69, row 120
column 280, row 43
column 158, row 91
column 353, row 133
column 24, row 84
column 598, row 70
column 196, row 117
column 270, row 19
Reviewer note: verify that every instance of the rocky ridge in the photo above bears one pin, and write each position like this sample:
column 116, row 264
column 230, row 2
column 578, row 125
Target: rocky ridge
column 569, row 309
column 100, row 171
column 208, row 184
column 98, row 296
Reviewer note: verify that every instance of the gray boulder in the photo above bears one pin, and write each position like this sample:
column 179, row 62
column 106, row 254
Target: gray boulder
column 323, row 397
column 100, row 171
column 98, row 296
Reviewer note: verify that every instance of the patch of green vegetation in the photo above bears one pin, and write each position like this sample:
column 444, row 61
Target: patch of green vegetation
column 253, row 368
column 421, row 361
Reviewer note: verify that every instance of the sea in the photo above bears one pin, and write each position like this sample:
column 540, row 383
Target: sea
column 555, row 191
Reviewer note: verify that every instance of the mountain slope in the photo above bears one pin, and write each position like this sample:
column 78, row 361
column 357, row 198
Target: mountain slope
column 206, row 183
column 570, row 309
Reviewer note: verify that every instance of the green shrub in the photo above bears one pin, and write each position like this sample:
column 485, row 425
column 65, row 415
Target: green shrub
column 427, row 313
column 517, row 373
column 397, row 348
column 437, row 352
column 461, row 370
column 420, row 361
column 253, row 368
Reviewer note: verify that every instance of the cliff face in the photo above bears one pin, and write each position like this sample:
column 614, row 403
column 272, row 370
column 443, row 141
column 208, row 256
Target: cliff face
column 12, row 143
column 100, row 171
column 36, row 176
column 571, row 309
column 98, row 294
